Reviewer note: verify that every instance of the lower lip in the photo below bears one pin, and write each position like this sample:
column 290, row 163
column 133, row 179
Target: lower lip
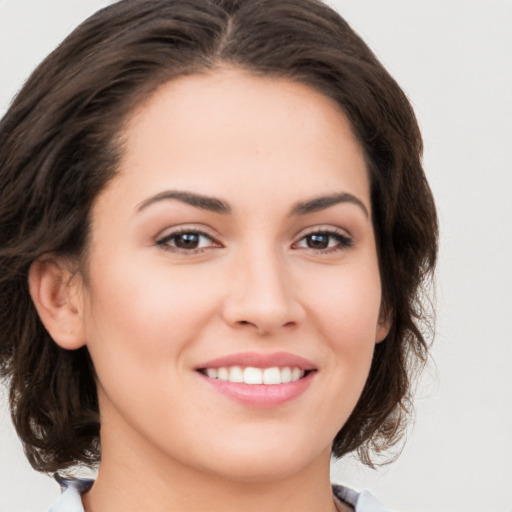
column 261, row 395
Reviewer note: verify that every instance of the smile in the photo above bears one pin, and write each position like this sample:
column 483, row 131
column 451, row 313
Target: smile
column 252, row 375
column 259, row 380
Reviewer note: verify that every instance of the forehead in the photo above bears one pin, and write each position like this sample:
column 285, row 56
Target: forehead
column 232, row 132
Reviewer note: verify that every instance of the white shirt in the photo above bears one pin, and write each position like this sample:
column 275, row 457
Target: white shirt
column 70, row 500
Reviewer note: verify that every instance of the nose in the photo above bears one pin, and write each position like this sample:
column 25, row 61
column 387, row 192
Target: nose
column 263, row 296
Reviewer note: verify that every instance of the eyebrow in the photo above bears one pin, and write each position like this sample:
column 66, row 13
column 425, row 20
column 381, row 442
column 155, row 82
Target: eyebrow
column 197, row 200
column 214, row 204
column 321, row 203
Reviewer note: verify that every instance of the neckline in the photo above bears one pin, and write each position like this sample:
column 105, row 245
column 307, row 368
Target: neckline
column 73, row 488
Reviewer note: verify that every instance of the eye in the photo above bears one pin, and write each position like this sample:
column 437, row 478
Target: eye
column 325, row 241
column 189, row 241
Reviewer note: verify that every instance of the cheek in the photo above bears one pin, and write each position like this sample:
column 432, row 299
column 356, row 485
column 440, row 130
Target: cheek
column 347, row 308
column 138, row 325
column 346, row 302
column 143, row 303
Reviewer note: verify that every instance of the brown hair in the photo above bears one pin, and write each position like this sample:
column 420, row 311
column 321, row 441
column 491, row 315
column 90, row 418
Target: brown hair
column 58, row 151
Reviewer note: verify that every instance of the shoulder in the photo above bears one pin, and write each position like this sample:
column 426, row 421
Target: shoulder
column 363, row 501
column 70, row 500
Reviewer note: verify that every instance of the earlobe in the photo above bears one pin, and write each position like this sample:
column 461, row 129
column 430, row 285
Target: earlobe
column 383, row 328
column 55, row 292
column 382, row 332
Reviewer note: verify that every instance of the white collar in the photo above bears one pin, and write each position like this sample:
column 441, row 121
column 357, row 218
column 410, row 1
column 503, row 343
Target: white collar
column 72, row 488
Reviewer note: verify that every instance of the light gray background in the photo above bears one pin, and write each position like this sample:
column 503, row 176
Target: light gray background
column 453, row 58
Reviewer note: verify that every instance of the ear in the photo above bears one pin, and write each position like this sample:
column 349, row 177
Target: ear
column 56, row 293
column 383, row 327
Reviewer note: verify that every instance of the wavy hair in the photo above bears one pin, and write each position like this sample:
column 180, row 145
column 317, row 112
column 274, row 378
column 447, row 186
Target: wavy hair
column 59, row 147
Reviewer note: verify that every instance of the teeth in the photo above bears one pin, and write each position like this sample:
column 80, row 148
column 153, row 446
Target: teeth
column 271, row 376
column 286, row 375
column 236, row 374
column 223, row 374
column 211, row 372
column 251, row 375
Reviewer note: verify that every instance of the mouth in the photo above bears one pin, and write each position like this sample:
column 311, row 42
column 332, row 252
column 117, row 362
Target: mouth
column 252, row 375
column 262, row 380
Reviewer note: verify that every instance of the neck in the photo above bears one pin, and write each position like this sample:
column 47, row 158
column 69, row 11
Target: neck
column 136, row 476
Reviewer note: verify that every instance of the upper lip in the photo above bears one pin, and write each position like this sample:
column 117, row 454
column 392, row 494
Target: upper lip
column 258, row 360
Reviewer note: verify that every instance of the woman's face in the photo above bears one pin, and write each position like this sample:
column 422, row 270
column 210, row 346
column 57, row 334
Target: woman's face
column 235, row 243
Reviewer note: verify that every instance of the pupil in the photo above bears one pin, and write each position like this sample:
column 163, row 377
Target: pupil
column 187, row 241
column 318, row 241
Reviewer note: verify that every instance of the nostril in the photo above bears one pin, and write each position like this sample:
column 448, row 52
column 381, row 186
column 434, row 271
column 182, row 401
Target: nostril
column 260, row 330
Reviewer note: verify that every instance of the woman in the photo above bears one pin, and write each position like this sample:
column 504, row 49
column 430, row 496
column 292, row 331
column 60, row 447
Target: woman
column 214, row 231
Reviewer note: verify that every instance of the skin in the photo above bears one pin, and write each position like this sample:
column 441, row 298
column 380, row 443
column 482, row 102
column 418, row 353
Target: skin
column 149, row 312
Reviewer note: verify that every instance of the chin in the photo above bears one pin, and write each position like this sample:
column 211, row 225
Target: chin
column 268, row 463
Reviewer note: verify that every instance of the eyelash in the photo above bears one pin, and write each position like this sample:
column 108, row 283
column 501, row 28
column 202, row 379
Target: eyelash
column 164, row 242
column 343, row 241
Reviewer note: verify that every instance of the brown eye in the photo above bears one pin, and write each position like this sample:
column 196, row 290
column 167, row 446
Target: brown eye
column 324, row 241
column 318, row 241
column 187, row 241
